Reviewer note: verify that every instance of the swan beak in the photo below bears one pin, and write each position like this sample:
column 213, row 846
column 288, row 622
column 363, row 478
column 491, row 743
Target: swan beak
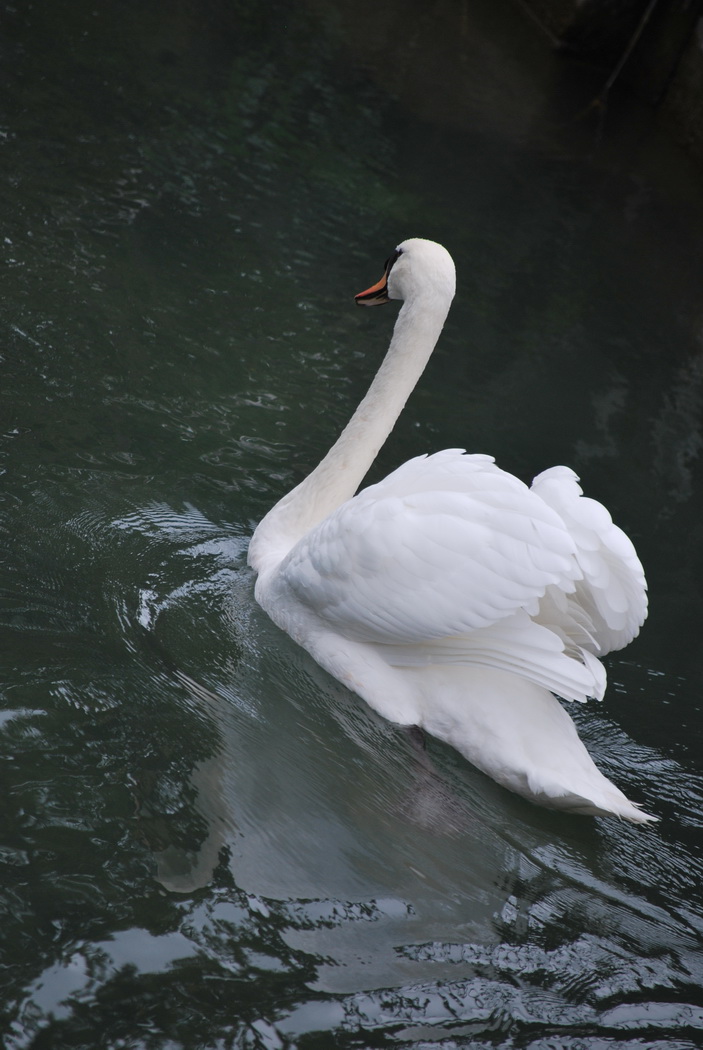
column 377, row 293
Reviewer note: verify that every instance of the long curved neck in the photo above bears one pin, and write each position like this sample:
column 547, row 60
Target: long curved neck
column 338, row 475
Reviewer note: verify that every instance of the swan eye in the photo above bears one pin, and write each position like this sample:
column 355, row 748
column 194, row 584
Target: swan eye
column 391, row 260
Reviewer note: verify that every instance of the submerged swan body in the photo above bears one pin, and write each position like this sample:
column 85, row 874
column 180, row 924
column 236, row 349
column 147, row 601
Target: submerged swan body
column 450, row 595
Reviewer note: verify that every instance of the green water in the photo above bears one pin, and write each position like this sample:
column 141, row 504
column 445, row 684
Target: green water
column 206, row 842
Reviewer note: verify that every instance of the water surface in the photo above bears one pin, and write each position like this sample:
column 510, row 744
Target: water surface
column 206, row 841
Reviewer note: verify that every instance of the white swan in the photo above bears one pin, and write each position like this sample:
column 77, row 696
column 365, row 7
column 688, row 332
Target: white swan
column 450, row 595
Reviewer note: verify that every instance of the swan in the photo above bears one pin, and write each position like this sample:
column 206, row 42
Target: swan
column 451, row 596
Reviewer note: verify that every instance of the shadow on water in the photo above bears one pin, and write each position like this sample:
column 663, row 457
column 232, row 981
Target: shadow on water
column 207, row 842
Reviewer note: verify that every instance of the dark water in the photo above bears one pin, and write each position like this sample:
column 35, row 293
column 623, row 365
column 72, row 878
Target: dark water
column 206, row 842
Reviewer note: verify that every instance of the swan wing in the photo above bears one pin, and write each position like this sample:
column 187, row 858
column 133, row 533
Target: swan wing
column 516, row 644
column 609, row 603
column 445, row 545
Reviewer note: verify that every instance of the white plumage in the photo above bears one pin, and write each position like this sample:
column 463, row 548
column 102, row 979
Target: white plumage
column 450, row 595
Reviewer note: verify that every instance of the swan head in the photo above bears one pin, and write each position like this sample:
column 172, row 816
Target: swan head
column 417, row 268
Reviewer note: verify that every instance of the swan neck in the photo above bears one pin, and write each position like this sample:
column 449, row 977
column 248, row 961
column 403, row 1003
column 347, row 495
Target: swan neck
column 339, row 474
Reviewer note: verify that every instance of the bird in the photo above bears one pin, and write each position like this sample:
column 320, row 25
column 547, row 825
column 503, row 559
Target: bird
column 451, row 596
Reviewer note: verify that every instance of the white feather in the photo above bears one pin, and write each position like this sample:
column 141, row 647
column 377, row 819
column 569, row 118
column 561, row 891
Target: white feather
column 450, row 595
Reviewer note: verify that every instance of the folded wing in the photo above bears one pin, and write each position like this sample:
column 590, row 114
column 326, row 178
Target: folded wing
column 445, row 545
column 609, row 603
column 450, row 560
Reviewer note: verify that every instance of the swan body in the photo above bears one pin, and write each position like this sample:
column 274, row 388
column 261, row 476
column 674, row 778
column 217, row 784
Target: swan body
column 450, row 595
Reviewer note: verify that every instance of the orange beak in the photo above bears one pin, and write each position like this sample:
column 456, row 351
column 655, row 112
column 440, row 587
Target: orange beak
column 377, row 293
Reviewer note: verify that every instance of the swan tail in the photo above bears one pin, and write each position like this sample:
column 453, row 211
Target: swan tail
column 616, row 806
column 509, row 726
column 519, row 734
